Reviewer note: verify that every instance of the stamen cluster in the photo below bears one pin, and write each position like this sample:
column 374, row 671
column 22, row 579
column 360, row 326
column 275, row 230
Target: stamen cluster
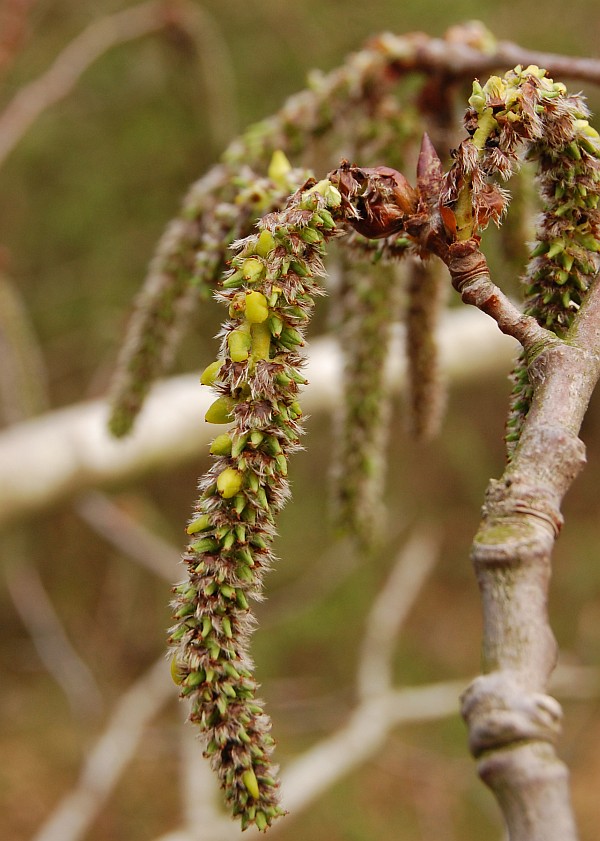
column 270, row 292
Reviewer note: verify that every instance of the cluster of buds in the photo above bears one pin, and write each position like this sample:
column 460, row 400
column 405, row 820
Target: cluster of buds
column 270, row 292
column 191, row 254
column 526, row 109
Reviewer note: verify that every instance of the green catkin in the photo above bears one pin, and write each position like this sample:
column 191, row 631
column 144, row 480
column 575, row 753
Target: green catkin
column 239, row 498
column 222, row 206
column 367, row 307
column 426, row 393
column 526, row 108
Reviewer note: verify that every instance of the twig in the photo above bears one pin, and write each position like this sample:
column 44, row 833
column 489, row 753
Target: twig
column 127, row 535
column 47, row 632
column 62, row 76
column 390, row 609
column 65, row 451
column 108, row 758
column 363, row 735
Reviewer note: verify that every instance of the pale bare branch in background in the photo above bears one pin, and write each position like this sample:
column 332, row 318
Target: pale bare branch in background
column 65, row 451
column 110, row 756
column 102, row 35
column 363, row 736
column 127, row 535
column 46, row 630
column 389, row 610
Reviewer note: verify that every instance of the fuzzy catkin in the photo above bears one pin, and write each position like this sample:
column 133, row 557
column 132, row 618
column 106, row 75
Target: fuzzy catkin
column 527, row 109
column 367, row 306
column 426, row 392
column 270, row 293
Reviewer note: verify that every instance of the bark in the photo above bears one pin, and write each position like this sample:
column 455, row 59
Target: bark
column 513, row 724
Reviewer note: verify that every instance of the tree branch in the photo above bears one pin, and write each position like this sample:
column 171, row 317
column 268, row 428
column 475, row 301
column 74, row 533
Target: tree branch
column 390, row 609
column 65, row 451
column 513, row 724
column 109, row 757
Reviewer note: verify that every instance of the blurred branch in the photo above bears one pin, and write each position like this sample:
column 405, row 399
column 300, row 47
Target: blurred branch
column 217, row 74
column 363, row 736
column 100, row 36
column 45, row 628
column 23, row 382
column 390, row 609
column 107, row 760
column 51, row 457
column 128, row 536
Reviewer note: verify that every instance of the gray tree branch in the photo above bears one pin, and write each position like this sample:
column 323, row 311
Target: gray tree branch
column 513, row 724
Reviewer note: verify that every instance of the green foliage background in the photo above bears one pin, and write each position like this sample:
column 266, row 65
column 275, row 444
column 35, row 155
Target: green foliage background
column 83, row 200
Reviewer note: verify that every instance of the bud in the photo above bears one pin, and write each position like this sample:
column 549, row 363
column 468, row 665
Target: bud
column 251, row 783
column 261, row 341
column 221, row 446
column 253, row 269
column 229, row 482
column 275, row 325
column 279, row 169
column 211, row 372
column 261, row 821
column 178, row 672
column 234, row 280
column 207, row 544
column 199, row 524
column 257, row 310
column 265, row 244
column 239, row 343
column 220, row 411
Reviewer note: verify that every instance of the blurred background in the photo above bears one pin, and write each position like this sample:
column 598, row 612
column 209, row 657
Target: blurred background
column 84, row 197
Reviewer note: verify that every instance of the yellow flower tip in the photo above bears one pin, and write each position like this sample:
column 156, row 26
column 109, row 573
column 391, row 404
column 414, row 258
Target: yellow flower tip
column 257, row 309
column 534, row 70
column 221, row 446
column 495, row 87
column 252, row 269
column 211, row 372
column 265, row 243
column 331, row 194
column 279, row 168
column 251, row 783
column 177, row 673
column 229, row 482
column 239, row 343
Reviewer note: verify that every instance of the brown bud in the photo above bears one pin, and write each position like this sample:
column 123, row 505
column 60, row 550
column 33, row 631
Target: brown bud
column 381, row 197
column 429, row 173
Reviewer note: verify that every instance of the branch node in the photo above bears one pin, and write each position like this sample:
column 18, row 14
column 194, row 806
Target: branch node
column 500, row 712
